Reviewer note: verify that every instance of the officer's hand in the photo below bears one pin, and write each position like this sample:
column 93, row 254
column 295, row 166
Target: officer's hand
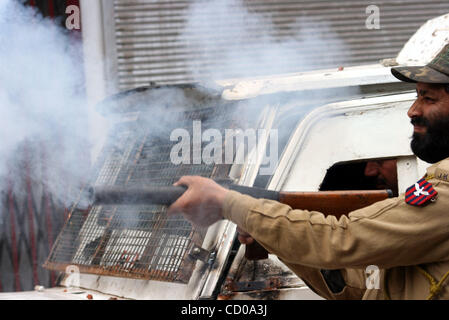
column 244, row 237
column 202, row 202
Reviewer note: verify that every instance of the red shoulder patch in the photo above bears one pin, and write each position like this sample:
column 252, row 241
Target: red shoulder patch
column 420, row 193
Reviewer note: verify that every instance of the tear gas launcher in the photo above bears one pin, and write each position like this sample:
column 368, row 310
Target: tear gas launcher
column 327, row 202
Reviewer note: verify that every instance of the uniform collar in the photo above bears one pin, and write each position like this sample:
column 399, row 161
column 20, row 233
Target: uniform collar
column 436, row 168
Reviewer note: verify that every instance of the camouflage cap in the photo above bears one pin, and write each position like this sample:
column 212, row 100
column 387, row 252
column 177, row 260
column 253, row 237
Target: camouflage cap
column 437, row 71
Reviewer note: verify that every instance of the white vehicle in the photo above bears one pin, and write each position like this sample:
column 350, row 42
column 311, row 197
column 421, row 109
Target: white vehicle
column 324, row 119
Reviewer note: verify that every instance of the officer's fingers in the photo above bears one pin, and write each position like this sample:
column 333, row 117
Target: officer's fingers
column 245, row 239
column 242, row 233
column 174, row 209
column 180, row 205
column 184, row 181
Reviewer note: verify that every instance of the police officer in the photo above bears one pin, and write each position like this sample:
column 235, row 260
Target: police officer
column 405, row 238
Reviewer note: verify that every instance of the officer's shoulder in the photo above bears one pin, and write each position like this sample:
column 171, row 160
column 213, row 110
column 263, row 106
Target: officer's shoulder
column 442, row 171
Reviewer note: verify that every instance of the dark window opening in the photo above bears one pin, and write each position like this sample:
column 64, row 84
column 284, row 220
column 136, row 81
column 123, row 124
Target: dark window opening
column 373, row 174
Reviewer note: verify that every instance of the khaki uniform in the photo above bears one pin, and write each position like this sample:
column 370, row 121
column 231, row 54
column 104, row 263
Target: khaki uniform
column 391, row 234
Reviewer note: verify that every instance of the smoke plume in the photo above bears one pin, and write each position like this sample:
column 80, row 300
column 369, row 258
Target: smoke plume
column 232, row 39
column 43, row 125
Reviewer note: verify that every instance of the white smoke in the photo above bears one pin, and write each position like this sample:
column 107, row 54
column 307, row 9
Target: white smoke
column 231, row 40
column 43, row 123
column 41, row 96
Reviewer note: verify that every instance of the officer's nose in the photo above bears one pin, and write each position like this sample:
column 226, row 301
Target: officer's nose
column 371, row 169
column 415, row 110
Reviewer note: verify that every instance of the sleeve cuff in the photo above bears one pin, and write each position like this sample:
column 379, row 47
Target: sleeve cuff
column 236, row 208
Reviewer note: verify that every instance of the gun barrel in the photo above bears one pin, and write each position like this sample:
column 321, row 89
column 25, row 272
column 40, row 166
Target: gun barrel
column 164, row 195
column 327, row 202
column 122, row 195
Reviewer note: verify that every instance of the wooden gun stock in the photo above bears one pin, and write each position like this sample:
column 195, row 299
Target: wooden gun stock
column 335, row 203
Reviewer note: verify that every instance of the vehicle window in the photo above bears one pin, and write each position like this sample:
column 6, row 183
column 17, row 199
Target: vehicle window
column 372, row 174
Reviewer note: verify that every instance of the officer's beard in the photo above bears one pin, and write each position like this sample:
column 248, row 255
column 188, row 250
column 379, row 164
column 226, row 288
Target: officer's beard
column 433, row 145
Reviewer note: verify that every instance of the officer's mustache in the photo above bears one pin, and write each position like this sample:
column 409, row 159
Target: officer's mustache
column 420, row 121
